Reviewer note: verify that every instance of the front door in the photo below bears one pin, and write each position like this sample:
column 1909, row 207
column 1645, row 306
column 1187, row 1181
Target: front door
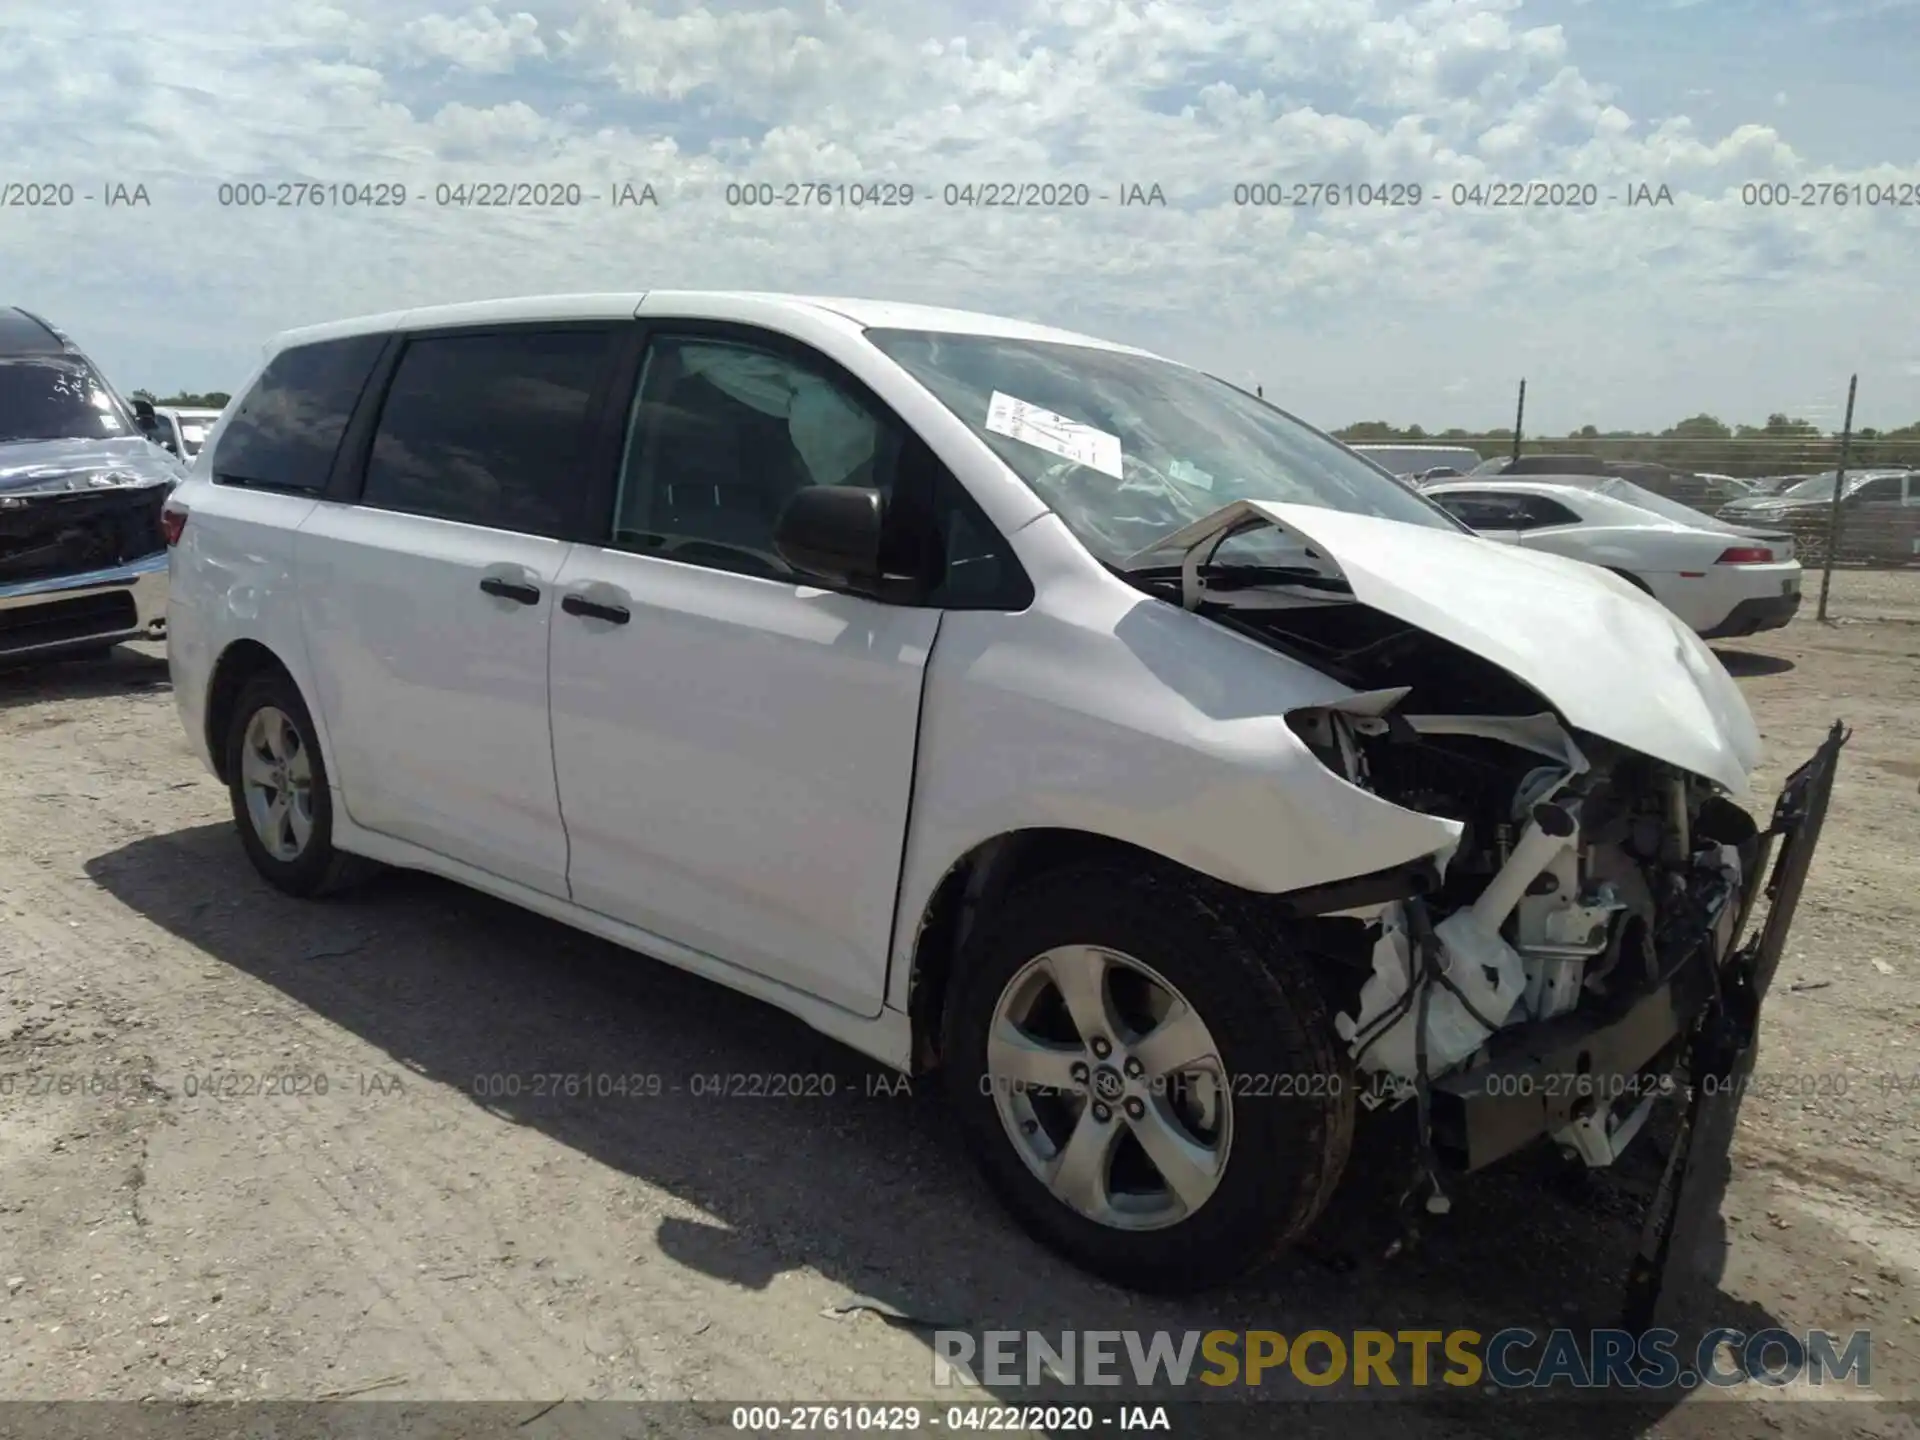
column 734, row 748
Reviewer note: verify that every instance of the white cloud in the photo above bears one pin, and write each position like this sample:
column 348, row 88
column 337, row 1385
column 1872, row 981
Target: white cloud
column 478, row 41
column 1685, row 305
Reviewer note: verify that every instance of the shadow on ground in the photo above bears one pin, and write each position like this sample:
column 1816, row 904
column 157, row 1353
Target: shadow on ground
column 1746, row 664
column 118, row 671
column 867, row 1187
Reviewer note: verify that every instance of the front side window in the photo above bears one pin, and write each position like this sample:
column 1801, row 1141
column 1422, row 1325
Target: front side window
column 722, row 434
column 58, row 397
column 1127, row 449
column 285, row 430
column 489, row 429
column 1881, row 487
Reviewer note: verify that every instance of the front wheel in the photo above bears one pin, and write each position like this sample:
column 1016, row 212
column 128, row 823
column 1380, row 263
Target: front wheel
column 1146, row 1076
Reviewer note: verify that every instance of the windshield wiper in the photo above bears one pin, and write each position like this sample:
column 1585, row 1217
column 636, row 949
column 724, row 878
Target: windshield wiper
column 1245, row 577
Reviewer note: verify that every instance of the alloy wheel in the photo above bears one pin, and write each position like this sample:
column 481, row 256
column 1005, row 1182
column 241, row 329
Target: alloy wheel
column 1110, row 1087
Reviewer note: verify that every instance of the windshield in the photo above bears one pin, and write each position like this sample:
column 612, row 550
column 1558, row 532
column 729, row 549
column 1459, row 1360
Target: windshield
column 1813, row 487
column 57, row 398
column 1647, row 499
column 1126, row 449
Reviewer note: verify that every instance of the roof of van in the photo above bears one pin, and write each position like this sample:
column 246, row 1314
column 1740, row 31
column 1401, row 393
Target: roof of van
column 746, row 305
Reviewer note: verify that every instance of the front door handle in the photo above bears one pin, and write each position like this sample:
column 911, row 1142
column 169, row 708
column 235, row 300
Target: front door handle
column 594, row 610
column 515, row 590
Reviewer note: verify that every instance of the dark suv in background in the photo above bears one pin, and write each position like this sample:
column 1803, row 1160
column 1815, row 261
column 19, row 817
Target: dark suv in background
column 83, row 561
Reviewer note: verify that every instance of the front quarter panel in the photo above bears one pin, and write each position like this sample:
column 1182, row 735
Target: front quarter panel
column 1100, row 709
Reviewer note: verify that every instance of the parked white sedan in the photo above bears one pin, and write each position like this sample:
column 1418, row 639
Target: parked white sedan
column 1723, row 582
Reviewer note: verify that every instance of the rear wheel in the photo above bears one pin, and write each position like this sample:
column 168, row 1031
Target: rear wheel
column 1148, row 1080
column 277, row 782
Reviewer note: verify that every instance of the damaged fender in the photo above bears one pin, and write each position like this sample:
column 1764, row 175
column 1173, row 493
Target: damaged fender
column 1578, row 634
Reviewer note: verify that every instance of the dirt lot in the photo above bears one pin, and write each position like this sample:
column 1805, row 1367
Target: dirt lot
column 410, row 1233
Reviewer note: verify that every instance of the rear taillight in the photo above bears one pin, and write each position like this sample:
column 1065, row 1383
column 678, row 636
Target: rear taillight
column 172, row 523
column 1746, row 555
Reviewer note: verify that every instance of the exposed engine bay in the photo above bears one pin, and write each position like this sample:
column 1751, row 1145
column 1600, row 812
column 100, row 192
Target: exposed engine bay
column 1585, row 875
column 1581, row 950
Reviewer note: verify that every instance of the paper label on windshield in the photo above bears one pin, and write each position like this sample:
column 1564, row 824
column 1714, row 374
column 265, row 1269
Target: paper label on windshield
column 1056, row 434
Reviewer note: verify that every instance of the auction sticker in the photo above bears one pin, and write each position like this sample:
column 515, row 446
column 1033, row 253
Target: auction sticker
column 1056, row 434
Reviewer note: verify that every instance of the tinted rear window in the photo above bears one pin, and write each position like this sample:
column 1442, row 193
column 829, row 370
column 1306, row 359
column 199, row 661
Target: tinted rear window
column 489, row 429
column 285, row 430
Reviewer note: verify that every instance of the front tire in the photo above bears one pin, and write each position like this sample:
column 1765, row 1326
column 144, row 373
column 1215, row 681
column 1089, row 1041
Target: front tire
column 277, row 781
column 1146, row 1076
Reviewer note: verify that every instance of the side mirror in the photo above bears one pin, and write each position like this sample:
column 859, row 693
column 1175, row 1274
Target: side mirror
column 833, row 532
column 143, row 415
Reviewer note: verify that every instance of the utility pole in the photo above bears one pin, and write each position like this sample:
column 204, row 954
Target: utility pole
column 1519, row 419
column 1839, row 489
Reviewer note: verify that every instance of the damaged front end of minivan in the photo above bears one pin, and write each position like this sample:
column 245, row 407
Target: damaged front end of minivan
column 1582, row 954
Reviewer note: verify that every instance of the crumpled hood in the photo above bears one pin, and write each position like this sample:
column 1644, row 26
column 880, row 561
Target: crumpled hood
column 1610, row 659
column 48, row 467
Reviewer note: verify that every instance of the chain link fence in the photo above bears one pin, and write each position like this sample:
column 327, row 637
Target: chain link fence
column 1851, row 495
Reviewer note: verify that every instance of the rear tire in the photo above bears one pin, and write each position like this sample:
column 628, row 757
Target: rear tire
column 1257, row 1131
column 277, row 781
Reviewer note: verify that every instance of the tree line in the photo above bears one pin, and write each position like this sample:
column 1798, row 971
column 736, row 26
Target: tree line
column 1700, row 444
column 212, row 400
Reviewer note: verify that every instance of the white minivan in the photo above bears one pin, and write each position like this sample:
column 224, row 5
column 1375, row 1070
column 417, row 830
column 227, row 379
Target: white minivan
column 1008, row 704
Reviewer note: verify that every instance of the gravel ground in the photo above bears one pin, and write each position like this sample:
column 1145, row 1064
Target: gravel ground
column 409, row 1220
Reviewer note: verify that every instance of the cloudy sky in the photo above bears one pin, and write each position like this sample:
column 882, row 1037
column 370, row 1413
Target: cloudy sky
column 1617, row 314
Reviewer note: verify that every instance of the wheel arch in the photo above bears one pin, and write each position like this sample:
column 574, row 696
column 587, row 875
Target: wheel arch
column 972, row 885
column 240, row 662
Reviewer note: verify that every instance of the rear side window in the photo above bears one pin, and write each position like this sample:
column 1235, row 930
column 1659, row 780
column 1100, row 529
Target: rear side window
column 1540, row 512
column 1485, row 511
column 490, row 429
column 285, row 430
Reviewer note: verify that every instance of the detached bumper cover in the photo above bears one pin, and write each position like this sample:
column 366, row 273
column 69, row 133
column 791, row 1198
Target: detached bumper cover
column 1674, row 1243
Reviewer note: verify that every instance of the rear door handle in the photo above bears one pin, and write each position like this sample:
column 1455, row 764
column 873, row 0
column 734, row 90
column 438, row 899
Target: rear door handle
column 594, row 610
column 515, row 590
